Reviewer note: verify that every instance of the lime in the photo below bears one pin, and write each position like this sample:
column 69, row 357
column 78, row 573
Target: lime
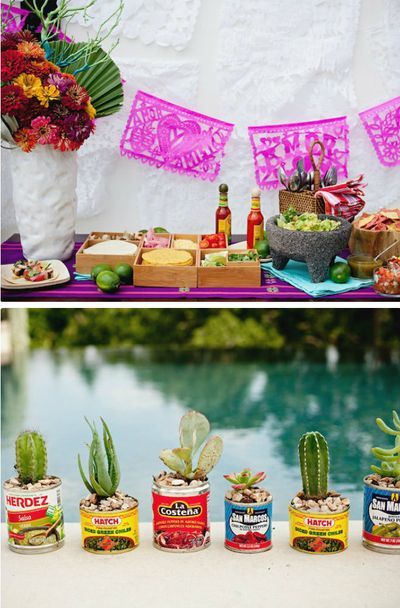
column 108, row 281
column 158, row 229
column 125, row 273
column 99, row 268
column 262, row 248
column 339, row 272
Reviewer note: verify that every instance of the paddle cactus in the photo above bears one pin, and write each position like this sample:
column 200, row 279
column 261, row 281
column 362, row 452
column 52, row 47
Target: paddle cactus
column 390, row 457
column 31, row 457
column 314, row 464
column 245, row 479
column 104, row 472
column 193, row 430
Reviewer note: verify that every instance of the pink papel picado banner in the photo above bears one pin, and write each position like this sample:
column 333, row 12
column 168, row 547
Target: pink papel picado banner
column 283, row 145
column 13, row 18
column 382, row 124
column 170, row 136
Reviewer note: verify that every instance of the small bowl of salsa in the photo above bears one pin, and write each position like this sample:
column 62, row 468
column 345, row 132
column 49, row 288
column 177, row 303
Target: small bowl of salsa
column 363, row 266
column 387, row 278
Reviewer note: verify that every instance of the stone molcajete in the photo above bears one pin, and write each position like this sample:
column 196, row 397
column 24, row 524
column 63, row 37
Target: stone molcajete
column 381, row 529
column 318, row 517
column 316, row 249
column 33, row 499
column 109, row 517
column 180, row 499
column 248, row 513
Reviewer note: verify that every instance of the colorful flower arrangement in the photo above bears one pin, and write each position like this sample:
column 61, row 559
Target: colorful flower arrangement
column 49, row 105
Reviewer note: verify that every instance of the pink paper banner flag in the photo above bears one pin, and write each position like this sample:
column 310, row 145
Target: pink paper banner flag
column 166, row 135
column 382, row 124
column 277, row 146
column 13, row 18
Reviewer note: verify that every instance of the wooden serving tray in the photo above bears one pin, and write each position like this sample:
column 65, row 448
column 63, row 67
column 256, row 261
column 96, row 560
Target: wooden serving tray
column 85, row 261
column 234, row 274
column 165, row 276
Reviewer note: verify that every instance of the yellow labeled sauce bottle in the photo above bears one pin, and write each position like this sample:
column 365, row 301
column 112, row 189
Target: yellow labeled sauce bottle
column 223, row 216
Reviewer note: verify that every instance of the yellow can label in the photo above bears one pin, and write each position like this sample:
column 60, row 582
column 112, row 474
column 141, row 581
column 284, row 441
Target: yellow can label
column 318, row 532
column 110, row 532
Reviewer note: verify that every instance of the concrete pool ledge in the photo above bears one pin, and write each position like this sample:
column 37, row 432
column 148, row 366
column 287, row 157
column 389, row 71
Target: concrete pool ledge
column 148, row 578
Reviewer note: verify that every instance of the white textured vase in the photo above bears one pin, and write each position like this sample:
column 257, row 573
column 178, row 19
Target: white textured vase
column 44, row 193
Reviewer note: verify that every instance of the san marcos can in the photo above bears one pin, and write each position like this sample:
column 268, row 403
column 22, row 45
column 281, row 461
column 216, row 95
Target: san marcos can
column 381, row 518
column 110, row 532
column 181, row 517
column 34, row 519
column 248, row 526
column 322, row 533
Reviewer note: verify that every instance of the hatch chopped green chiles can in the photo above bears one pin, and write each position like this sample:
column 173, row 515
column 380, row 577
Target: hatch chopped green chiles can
column 381, row 518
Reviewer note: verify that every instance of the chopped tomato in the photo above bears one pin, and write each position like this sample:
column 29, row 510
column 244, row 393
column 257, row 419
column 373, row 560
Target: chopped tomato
column 204, row 244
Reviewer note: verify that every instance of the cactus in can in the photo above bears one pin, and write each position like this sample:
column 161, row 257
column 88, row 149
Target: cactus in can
column 314, row 464
column 193, row 431
column 104, row 471
column 389, row 457
column 31, row 457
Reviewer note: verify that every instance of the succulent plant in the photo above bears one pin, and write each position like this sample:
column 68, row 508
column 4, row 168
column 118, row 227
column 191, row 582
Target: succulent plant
column 245, row 479
column 314, row 464
column 193, row 430
column 389, row 457
column 31, row 457
column 104, row 472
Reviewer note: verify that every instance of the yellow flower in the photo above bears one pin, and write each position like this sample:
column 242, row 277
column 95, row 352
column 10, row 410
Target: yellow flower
column 47, row 94
column 90, row 110
column 31, row 84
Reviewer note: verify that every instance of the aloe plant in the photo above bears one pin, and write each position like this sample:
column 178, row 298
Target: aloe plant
column 245, row 479
column 31, row 457
column 314, row 464
column 389, row 457
column 193, row 431
column 104, row 472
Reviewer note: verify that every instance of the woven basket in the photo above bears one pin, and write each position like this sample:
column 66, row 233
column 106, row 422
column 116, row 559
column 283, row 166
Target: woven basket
column 302, row 202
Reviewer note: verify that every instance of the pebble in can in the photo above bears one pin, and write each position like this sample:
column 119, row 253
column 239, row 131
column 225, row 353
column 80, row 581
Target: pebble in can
column 318, row 532
column 34, row 519
column 248, row 526
column 381, row 518
column 181, row 518
column 110, row 532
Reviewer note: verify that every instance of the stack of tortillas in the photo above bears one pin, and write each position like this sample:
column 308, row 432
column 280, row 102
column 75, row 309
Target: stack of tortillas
column 112, row 247
column 167, row 257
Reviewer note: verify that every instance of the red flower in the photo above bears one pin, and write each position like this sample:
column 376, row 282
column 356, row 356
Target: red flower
column 12, row 64
column 26, row 139
column 13, row 99
column 27, row 114
column 45, row 132
column 9, row 40
column 39, row 68
column 65, row 144
column 75, row 98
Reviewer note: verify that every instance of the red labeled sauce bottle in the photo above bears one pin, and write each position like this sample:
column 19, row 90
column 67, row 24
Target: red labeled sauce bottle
column 255, row 220
column 223, row 216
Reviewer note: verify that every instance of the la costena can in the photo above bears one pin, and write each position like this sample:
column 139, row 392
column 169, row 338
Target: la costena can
column 181, row 517
column 248, row 526
column 381, row 518
column 35, row 519
column 110, row 531
column 322, row 533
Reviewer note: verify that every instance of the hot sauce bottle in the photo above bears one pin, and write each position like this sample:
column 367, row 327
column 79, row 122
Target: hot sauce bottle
column 255, row 220
column 223, row 216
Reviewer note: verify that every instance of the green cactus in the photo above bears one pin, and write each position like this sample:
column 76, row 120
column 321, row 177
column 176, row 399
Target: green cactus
column 31, row 457
column 314, row 464
column 389, row 457
column 193, row 430
column 104, row 472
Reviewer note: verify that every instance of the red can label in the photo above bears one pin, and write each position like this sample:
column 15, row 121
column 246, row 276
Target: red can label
column 181, row 523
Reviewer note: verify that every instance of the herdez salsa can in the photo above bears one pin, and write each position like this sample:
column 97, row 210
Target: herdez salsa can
column 34, row 519
column 180, row 517
column 318, row 532
column 248, row 526
column 381, row 518
column 110, row 532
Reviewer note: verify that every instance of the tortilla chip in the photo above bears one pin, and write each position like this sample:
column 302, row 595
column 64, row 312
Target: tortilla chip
column 167, row 257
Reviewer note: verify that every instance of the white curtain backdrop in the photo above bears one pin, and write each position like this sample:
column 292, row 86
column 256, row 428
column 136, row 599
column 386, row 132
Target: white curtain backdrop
column 248, row 62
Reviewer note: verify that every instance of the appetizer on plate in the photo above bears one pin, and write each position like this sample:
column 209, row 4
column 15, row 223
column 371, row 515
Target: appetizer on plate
column 33, row 270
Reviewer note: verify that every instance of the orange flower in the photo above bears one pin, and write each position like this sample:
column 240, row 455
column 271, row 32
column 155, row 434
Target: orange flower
column 25, row 138
column 31, row 49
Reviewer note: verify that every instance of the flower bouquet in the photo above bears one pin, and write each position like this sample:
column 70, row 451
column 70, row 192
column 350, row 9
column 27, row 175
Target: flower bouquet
column 52, row 90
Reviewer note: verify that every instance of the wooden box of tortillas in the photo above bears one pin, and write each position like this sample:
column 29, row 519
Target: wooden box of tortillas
column 107, row 248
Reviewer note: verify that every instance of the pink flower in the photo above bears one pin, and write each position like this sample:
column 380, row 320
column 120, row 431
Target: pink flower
column 45, row 132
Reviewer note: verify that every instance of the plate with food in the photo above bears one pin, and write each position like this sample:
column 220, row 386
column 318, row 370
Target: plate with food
column 30, row 274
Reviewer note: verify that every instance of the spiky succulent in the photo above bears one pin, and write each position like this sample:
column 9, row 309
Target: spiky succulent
column 245, row 479
column 389, row 457
column 314, row 464
column 104, row 472
column 31, row 457
column 193, row 430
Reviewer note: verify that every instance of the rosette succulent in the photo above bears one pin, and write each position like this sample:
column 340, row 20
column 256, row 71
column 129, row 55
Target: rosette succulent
column 245, row 479
column 389, row 457
column 104, row 471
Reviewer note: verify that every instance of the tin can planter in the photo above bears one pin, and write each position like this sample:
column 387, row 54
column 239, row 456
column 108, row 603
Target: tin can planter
column 34, row 516
column 248, row 526
column 110, row 531
column 322, row 533
column 381, row 518
column 181, row 517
